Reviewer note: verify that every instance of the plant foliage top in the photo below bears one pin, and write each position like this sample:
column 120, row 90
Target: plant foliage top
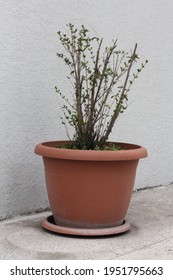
column 101, row 79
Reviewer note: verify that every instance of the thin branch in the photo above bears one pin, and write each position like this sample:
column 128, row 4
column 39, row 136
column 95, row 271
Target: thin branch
column 118, row 108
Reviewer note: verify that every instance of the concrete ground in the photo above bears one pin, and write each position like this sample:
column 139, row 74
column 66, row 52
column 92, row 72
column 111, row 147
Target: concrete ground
column 151, row 236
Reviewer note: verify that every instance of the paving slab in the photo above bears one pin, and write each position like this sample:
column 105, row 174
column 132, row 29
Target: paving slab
column 151, row 235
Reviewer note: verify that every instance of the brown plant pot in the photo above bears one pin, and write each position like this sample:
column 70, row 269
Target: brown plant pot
column 89, row 189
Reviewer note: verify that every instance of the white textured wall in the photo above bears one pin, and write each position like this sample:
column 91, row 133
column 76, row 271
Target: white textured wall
column 29, row 70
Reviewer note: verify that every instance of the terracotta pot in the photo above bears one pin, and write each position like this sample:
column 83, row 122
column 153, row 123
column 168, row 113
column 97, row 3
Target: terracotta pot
column 89, row 189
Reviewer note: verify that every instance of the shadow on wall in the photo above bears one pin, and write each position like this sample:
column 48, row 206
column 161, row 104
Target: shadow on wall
column 21, row 195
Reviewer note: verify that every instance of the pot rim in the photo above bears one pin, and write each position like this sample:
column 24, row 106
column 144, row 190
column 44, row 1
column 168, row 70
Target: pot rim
column 130, row 152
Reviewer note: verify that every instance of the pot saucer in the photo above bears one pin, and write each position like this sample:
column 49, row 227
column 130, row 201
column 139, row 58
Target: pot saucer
column 49, row 224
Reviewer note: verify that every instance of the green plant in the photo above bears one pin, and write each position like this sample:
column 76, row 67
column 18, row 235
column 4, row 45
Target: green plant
column 101, row 80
